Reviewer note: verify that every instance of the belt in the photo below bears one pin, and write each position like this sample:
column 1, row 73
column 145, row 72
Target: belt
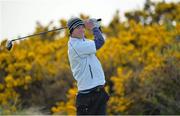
column 97, row 89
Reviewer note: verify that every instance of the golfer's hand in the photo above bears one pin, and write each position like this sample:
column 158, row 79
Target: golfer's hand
column 89, row 24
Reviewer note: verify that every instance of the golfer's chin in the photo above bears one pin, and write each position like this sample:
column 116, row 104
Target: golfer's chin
column 81, row 35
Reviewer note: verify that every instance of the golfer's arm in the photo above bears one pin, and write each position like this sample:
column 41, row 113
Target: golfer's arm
column 98, row 38
column 85, row 48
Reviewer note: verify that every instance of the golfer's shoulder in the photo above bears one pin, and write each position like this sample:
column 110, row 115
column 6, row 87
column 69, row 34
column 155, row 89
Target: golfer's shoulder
column 88, row 40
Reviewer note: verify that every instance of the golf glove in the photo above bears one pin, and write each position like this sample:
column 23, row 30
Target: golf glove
column 95, row 22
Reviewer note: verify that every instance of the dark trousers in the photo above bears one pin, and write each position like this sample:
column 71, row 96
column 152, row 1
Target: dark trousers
column 93, row 103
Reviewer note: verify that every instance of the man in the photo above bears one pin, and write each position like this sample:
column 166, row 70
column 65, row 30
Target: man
column 86, row 68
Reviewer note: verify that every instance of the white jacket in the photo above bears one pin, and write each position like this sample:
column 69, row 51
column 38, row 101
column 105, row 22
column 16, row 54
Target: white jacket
column 85, row 66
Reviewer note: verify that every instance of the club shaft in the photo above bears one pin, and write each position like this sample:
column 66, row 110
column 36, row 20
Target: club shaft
column 39, row 33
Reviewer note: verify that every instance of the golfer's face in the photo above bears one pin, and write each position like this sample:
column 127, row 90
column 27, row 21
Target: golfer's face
column 79, row 30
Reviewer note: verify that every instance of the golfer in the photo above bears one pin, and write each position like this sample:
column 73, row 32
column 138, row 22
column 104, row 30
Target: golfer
column 86, row 68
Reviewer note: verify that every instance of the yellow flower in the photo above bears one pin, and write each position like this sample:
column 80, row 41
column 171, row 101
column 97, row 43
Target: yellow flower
column 31, row 54
column 28, row 67
column 9, row 78
column 28, row 79
column 1, row 86
column 54, row 109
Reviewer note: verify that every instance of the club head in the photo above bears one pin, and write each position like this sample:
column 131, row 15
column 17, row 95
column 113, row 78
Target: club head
column 9, row 45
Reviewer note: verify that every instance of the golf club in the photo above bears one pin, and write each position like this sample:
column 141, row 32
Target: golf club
column 9, row 43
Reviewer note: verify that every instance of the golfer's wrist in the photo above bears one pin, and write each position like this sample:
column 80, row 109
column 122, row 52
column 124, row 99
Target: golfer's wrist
column 95, row 29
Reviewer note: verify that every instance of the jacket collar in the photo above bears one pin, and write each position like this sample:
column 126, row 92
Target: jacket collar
column 76, row 39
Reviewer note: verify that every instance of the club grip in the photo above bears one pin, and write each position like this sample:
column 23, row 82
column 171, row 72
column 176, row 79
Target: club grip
column 99, row 19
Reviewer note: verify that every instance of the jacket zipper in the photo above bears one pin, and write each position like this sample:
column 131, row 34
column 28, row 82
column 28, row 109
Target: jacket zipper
column 90, row 71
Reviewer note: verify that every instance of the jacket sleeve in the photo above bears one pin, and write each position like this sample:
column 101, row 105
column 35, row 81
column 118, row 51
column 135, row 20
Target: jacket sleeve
column 86, row 48
column 98, row 38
